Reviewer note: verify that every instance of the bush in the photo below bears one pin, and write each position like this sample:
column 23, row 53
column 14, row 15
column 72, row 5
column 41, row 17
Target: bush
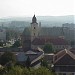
column 7, row 58
column 17, row 70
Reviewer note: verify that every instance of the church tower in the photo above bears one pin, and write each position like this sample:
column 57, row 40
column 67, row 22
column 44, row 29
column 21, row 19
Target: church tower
column 34, row 28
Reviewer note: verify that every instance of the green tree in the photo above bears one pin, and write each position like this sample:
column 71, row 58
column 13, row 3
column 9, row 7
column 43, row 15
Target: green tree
column 44, row 63
column 48, row 48
column 12, row 33
column 17, row 70
column 17, row 44
column 28, row 62
column 7, row 57
column 1, row 44
column 43, row 71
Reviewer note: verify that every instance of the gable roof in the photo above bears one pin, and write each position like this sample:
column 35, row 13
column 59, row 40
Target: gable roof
column 72, row 50
column 64, row 57
column 26, row 32
column 33, row 54
column 30, row 52
column 21, row 57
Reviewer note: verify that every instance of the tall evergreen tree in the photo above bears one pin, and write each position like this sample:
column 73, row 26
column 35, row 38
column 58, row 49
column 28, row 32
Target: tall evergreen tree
column 28, row 62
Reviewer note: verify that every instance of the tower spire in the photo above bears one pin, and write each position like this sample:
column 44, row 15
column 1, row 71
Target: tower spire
column 34, row 20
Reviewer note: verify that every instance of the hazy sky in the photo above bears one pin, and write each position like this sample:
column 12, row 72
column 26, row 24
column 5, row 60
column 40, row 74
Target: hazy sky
column 11, row 8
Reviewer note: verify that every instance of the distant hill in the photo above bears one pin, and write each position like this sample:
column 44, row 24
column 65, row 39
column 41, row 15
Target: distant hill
column 45, row 20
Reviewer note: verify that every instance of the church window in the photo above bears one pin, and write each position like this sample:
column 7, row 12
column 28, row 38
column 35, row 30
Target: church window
column 34, row 27
column 34, row 34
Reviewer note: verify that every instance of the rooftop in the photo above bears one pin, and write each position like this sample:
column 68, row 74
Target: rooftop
column 54, row 41
column 64, row 57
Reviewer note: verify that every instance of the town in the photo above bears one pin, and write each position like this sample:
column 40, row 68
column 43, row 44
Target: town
column 38, row 47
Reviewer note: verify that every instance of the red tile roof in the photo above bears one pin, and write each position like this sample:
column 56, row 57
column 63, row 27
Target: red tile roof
column 54, row 41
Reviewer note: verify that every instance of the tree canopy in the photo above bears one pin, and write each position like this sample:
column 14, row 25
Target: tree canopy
column 48, row 48
column 7, row 57
column 17, row 44
column 28, row 62
column 18, row 70
column 1, row 44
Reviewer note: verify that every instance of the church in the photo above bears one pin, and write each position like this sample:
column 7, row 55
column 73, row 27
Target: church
column 36, row 36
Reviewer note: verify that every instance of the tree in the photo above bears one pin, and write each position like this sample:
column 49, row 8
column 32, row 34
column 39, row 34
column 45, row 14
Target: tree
column 12, row 33
column 17, row 70
column 43, row 71
column 17, row 44
column 44, row 63
column 28, row 62
column 1, row 44
column 7, row 57
column 48, row 48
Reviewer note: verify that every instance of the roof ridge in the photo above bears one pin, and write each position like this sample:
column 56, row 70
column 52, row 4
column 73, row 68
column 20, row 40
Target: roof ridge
column 66, row 52
column 60, row 52
column 30, row 52
column 71, row 54
column 59, row 58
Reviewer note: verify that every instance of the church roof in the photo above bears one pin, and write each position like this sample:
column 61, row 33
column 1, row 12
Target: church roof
column 45, row 32
column 54, row 41
column 26, row 32
column 50, row 31
column 34, row 20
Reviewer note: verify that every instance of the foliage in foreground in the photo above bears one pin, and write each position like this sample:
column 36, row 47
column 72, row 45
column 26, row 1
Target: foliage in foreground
column 7, row 57
column 18, row 70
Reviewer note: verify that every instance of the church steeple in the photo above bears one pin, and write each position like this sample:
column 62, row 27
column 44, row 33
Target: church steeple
column 34, row 28
column 34, row 20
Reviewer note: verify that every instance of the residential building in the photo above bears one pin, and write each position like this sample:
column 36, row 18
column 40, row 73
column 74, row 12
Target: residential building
column 64, row 62
column 21, row 56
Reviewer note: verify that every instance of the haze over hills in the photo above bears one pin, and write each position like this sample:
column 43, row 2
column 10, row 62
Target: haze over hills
column 45, row 20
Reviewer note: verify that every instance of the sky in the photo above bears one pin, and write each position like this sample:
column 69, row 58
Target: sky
column 22, row 8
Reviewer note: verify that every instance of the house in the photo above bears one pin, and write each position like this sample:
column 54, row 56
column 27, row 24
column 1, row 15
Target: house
column 21, row 56
column 34, row 55
column 64, row 62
